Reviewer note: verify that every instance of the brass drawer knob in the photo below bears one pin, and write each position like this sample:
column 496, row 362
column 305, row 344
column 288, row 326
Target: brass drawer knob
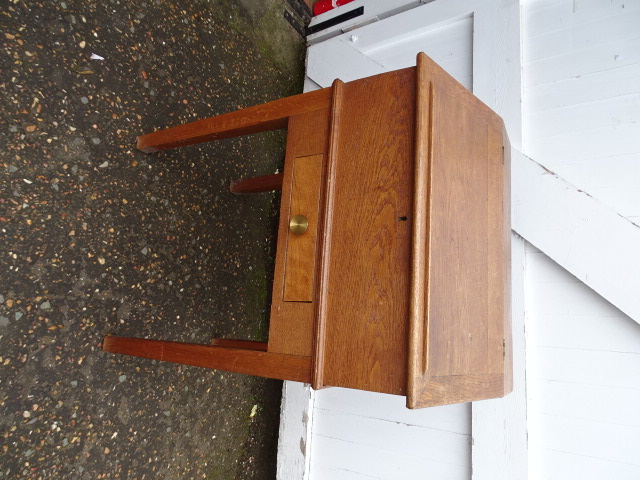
column 298, row 224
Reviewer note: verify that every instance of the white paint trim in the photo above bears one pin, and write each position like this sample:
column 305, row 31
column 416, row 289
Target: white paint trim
column 594, row 243
column 294, row 436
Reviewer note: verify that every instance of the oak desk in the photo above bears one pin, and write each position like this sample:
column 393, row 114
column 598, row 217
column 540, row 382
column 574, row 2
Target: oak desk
column 393, row 253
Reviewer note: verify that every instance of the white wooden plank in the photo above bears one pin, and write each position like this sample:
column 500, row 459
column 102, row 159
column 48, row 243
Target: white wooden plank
column 612, row 333
column 294, row 436
column 448, row 418
column 602, row 143
column 589, row 240
column 586, row 88
column 617, row 443
column 544, row 271
column 562, row 465
column 328, row 472
column 588, row 367
column 497, row 62
column 451, row 46
column 583, row 35
column 499, row 427
column 542, row 17
column 429, row 452
column 569, row 300
column 337, row 59
column 388, row 437
column 605, row 56
column 599, row 114
column 597, row 403
column 394, row 43
column 583, row 391
column 353, row 461
column 417, row 21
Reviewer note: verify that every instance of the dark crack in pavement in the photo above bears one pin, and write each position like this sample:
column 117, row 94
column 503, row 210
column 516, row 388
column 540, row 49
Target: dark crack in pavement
column 97, row 238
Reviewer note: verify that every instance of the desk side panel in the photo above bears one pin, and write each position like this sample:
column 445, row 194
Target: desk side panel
column 367, row 282
column 461, row 337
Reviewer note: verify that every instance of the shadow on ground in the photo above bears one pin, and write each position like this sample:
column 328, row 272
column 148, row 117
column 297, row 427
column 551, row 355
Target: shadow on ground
column 97, row 238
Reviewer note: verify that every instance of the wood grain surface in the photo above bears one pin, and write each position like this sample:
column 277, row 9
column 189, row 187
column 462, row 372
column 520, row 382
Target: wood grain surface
column 300, row 261
column 292, row 323
column 253, row 362
column 261, row 118
column 459, row 336
column 367, row 282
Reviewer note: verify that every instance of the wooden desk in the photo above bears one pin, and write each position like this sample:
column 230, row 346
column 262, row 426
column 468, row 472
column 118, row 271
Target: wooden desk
column 400, row 284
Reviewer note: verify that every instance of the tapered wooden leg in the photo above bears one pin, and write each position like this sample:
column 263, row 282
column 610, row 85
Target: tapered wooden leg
column 268, row 116
column 252, row 362
column 265, row 183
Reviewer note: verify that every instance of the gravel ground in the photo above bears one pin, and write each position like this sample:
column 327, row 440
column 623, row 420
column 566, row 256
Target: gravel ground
column 97, row 238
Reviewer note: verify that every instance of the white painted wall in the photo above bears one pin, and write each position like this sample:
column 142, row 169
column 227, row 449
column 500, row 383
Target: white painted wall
column 581, row 106
column 581, row 74
column 583, row 379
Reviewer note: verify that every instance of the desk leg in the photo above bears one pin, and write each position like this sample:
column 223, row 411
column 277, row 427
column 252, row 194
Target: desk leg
column 240, row 360
column 265, row 183
column 261, row 118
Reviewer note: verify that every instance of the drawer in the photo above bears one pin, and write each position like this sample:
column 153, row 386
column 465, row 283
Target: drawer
column 300, row 260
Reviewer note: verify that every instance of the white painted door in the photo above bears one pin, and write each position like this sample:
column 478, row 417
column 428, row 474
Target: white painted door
column 357, row 435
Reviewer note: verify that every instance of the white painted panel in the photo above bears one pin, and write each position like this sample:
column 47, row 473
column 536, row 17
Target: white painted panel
column 616, row 443
column 353, row 461
column 443, row 30
column 589, row 367
column 598, row 114
column 596, row 403
column 583, row 379
column 450, row 46
column 583, row 89
column 388, row 438
column 553, row 15
column 599, row 143
column 581, row 103
column 608, row 54
column 585, row 35
column 394, row 450
column 562, row 465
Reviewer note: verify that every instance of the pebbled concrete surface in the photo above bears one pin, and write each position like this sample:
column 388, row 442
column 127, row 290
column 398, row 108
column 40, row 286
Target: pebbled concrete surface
column 97, row 238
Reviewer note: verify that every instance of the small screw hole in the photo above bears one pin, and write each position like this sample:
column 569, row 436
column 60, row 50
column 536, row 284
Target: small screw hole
column 402, row 219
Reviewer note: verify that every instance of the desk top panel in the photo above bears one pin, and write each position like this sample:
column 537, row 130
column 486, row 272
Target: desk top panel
column 367, row 283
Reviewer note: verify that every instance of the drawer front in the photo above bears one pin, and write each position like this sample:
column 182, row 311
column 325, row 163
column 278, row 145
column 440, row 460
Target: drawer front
column 300, row 259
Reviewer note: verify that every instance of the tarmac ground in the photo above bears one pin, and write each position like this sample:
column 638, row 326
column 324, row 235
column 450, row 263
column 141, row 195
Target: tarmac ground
column 97, row 238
